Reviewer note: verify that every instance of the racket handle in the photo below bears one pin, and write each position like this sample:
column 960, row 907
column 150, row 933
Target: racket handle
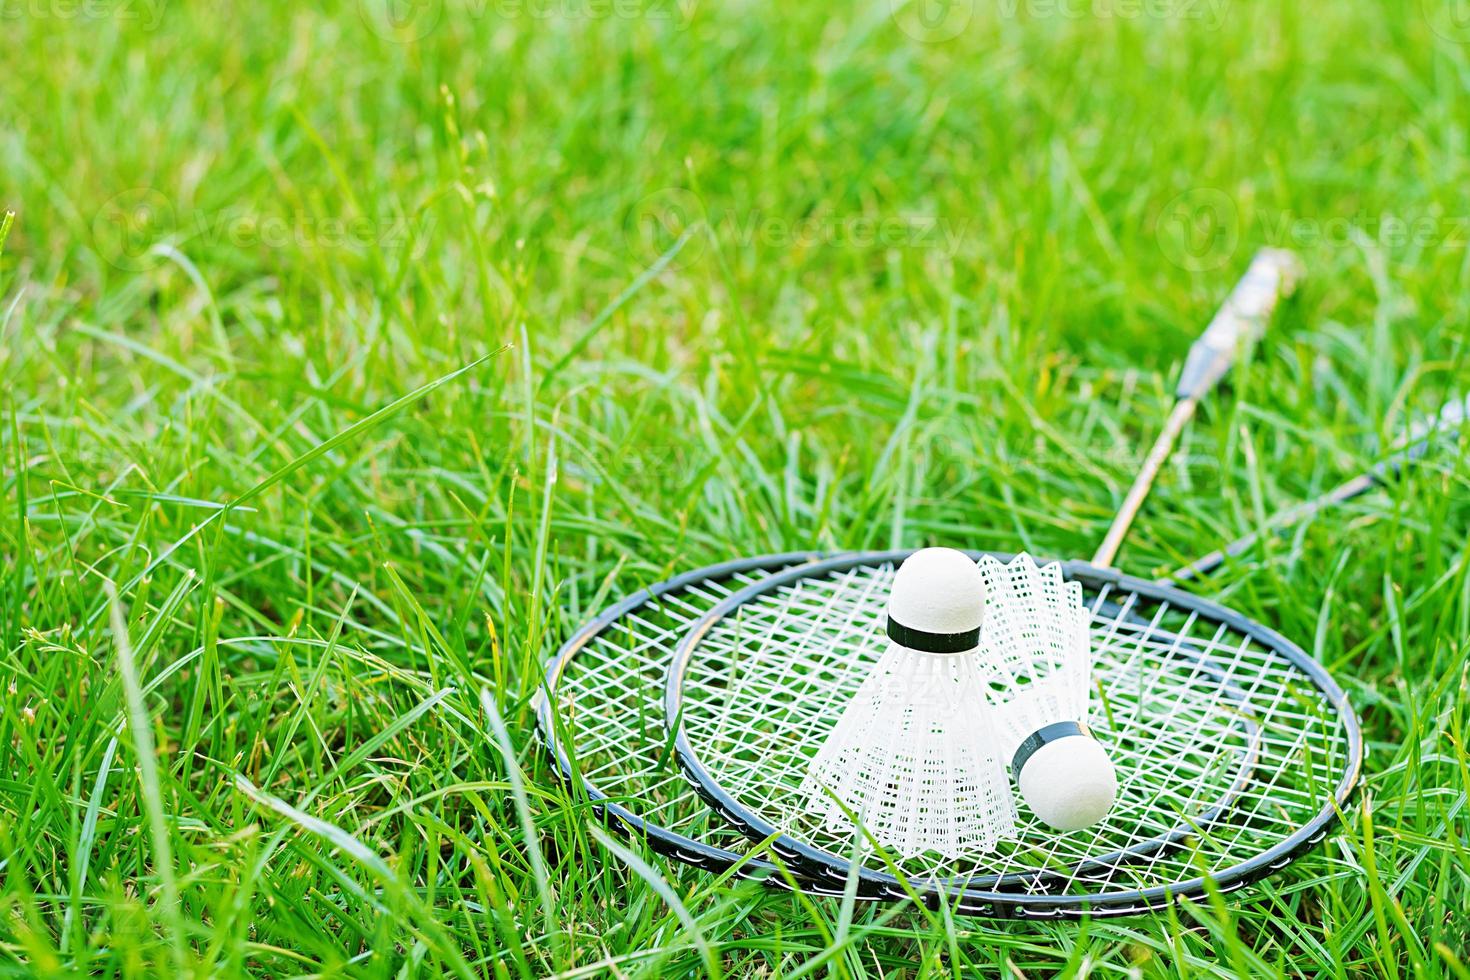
column 1273, row 273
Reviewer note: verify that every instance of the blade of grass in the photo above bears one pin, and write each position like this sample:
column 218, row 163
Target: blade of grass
column 140, row 734
column 661, row 888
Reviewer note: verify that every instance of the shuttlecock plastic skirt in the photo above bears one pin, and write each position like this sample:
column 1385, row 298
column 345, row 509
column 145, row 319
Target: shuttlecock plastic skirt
column 914, row 758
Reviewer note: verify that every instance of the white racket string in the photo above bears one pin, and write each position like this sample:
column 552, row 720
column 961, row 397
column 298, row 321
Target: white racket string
column 605, row 715
column 1224, row 748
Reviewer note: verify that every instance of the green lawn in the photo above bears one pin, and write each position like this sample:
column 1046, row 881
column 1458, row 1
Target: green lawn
column 723, row 279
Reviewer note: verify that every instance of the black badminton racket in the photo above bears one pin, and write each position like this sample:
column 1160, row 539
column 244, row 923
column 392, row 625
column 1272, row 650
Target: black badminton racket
column 1234, row 750
column 760, row 681
column 600, row 713
column 603, row 716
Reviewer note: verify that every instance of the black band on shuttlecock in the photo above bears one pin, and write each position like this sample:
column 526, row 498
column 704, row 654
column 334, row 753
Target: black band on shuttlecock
column 932, row 642
column 1045, row 736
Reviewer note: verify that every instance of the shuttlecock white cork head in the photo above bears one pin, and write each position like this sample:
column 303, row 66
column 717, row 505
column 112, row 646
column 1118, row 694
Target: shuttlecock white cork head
column 1066, row 776
column 937, row 602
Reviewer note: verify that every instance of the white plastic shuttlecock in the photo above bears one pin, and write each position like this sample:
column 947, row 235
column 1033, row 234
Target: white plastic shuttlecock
column 1036, row 642
column 914, row 754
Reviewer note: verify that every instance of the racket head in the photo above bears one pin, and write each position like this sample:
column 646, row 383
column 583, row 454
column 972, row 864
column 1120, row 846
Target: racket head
column 599, row 712
column 746, row 716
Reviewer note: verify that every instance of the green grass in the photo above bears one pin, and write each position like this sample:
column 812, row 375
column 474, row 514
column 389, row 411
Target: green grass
column 277, row 582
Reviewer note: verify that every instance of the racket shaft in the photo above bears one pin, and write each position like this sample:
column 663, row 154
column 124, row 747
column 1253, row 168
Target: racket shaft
column 1178, row 419
column 1355, row 487
column 1429, row 434
column 1248, row 308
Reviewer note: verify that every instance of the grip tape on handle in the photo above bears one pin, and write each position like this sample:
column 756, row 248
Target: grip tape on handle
column 1273, row 273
